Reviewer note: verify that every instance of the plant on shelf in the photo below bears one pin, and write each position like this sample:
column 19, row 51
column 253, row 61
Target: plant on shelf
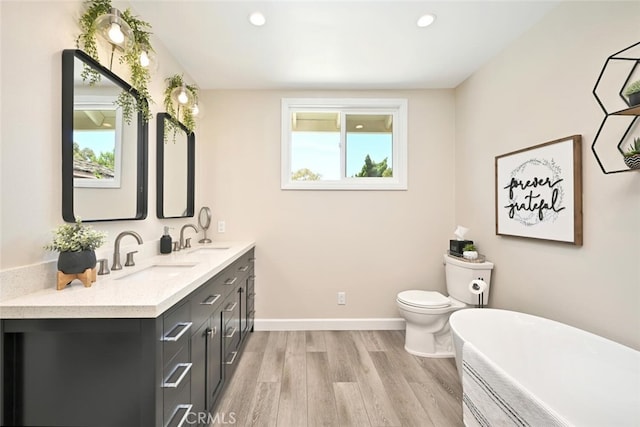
column 633, row 93
column 632, row 156
column 134, row 52
column 77, row 244
column 181, row 103
column 469, row 251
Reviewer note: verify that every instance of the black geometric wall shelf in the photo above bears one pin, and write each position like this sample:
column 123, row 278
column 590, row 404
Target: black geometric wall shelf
column 617, row 118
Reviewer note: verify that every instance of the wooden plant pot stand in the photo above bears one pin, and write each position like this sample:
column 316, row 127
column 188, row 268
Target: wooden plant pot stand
column 87, row 278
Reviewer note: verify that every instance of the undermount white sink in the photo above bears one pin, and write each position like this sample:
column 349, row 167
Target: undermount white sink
column 159, row 271
column 208, row 249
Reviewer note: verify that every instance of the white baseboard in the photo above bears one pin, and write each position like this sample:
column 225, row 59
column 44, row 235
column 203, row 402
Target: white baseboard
column 329, row 324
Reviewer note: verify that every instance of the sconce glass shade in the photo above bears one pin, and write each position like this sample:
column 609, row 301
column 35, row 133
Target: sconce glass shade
column 149, row 60
column 182, row 96
column 114, row 29
column 197, row 110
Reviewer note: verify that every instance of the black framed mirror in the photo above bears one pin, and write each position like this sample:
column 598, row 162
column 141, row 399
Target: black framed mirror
column 176, row 158
column 104, row 157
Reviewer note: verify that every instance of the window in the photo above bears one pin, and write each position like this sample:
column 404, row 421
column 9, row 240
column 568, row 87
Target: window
column 344, row 144
column 97, row 142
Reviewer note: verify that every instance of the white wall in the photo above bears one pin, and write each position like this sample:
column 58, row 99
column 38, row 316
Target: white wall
column 312, row 244
column 538, row 90
column 33, row 35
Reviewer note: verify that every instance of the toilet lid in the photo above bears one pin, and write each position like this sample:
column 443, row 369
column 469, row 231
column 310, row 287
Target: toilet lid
column 424, row 299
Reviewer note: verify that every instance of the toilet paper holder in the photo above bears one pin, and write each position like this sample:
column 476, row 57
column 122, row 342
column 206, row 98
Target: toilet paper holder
column 477, row 287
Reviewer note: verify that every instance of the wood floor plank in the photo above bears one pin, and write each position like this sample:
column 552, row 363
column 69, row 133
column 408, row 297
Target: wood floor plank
column 341, row 354
column 373, row 340
column 443, row 410
column 350, row 406
column 405, row 403
column 321, row 402
column 292, row 407
column 405, row 363
column 234, row 400
column 379, row 406
column 315, row 341
column 264, row 405
column 257, row 341
column 296, row 342
column 271, row 370
column 445, row 373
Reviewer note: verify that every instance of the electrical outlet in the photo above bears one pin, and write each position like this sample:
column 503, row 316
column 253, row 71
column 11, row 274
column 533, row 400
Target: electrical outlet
column 342, row 298
column 222, row 227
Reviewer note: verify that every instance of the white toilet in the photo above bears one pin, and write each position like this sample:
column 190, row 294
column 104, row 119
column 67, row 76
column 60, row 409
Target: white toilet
column 427, row 313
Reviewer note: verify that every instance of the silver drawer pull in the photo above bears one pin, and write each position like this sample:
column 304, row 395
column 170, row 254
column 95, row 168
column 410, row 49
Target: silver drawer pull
column 252, row 259
column 228, row 334
column 230, row 281
column 233, row 359
column 185, row 327
column 211, row 299
column 252, row 294
column 252, row 277
column 186, row 368
column 243, row 268
column 251, row 313
column 182, row 418
column 212, row 332
column 231, row 306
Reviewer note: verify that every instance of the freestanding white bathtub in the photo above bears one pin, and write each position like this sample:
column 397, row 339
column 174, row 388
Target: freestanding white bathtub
column 586, row 379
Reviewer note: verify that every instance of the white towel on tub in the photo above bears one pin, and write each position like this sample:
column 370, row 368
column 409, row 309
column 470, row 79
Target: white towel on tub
column 492, row 398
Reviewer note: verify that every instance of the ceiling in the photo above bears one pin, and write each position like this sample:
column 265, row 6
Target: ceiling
column 331, row 44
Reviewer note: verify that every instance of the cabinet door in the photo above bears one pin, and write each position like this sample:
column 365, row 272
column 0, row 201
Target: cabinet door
column 214, row 359
column 250, row 298
column 198, row 371
column 242, row 297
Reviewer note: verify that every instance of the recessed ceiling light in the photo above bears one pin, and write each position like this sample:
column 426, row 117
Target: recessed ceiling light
column 257, row 19
column 426, row 20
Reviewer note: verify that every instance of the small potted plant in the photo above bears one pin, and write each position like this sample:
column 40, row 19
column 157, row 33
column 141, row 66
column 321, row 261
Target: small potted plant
column 469, row 251
column 633, row 93
column 632, row 156
column 77, row 244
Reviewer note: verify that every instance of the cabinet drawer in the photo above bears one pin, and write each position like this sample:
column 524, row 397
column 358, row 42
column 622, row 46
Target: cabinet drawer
column 177, row 400
column 242, row 267
column 205, row 300
column 177, row 328
column 172, row 359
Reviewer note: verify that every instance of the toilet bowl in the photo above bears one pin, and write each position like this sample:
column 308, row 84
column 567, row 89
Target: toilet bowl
column 427, row 322
column 426, row 313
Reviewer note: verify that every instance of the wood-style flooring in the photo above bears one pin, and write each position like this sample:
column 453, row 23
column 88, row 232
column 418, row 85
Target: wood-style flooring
column 339, row 378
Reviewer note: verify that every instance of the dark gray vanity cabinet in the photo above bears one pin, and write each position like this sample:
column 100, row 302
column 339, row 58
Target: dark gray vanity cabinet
column 165, row 371
column 82, row 372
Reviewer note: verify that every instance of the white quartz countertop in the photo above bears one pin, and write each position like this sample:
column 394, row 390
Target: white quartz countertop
column 162, row 281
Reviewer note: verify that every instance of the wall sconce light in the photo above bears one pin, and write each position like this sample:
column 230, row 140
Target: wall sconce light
column 149, row 60
column 197, row 111
column 181, row 101
column 182, row 96
column 114, row 29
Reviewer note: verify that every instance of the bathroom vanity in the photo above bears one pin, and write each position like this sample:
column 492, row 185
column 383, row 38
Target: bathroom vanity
column 154, row 346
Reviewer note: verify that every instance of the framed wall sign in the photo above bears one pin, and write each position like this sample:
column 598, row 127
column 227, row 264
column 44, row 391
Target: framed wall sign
column 539, row 191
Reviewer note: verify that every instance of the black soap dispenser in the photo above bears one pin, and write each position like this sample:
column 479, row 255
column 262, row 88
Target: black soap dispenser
column 165, row 242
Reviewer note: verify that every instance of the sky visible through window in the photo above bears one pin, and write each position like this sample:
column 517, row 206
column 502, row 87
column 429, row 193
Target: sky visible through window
column 97, row 140
column 320, row 152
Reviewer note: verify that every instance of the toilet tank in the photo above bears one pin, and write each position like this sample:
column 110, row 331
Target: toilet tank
column 459, row 273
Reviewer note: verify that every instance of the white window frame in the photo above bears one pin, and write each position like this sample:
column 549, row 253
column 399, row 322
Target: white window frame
column 396, row 107
column 96, row 102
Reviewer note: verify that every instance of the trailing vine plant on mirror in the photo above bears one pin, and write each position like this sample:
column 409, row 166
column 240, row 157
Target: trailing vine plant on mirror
column 133, row 51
